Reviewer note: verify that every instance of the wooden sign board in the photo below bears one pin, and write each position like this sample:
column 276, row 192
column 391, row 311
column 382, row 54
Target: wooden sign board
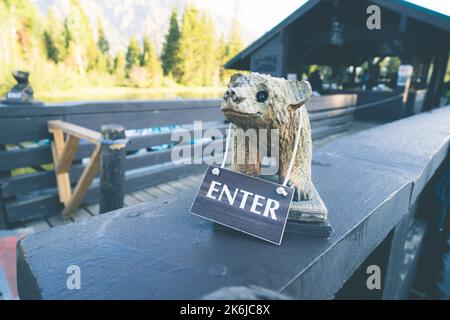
column 244, row 203
column 404, row 74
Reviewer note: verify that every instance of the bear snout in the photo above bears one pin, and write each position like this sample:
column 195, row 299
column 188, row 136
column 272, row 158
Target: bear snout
column 232, row 95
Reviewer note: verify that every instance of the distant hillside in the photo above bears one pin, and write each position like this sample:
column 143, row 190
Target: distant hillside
column 123, row 19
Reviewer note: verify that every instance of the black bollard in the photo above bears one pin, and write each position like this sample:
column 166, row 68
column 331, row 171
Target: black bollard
column 112, row 176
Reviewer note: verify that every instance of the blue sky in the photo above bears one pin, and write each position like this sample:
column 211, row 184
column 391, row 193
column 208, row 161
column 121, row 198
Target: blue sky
column 261, row 15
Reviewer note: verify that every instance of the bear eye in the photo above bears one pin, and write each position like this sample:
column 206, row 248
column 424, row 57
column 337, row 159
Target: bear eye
column 262, row 96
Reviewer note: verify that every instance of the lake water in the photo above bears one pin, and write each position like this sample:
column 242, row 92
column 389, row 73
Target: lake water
column 105, row 94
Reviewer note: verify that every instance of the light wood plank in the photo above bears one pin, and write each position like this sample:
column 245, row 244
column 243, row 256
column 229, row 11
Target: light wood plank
column 190, row 182
column 62, row 179
column 93, row 209
column 142, row 196
column 81, row 214
column 38, row 225
column 57, row 220
column 186, row 185
column 83, row 184
column 165, row 187
column 74, row 130
column 66, row 157
column 177, row 185
column 152, row 191
column 130, row 201
column 198, row 178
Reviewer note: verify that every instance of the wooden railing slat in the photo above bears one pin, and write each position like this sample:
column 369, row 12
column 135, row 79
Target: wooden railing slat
column 75, row 130
column 66, row 158
column 62, row 178
column 83, row 184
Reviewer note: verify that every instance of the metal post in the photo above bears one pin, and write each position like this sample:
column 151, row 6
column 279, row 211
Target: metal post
column 112, row 176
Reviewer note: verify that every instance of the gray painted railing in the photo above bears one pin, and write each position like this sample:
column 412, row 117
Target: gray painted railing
column 370, row 182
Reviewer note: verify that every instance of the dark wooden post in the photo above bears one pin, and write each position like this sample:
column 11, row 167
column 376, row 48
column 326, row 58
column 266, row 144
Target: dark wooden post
column 112, row 176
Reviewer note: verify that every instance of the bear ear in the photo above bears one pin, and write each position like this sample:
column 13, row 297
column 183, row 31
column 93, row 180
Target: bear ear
column 298, row 92
column 234, row 77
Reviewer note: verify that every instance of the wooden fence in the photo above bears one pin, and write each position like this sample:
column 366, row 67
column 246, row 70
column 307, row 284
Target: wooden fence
column 27, row 178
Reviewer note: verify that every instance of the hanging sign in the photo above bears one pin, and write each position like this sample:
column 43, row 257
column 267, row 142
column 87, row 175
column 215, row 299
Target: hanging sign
column 248, row 204
column 405, row 73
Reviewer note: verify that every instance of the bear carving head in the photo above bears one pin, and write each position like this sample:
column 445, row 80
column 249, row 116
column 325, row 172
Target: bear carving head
column 260, row 101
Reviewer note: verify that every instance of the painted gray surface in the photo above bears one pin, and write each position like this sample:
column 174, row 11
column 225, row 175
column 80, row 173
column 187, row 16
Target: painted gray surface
column 416, row 147
column 158, row 250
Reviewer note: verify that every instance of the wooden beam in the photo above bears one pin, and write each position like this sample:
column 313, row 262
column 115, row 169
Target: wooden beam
column 66, row 157
column 112, row 176
column 62, row 179
column 83, row 184
column 74, row 130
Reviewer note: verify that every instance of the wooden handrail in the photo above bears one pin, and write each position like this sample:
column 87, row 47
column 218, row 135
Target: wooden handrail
column 75, row 130
column 64, row 150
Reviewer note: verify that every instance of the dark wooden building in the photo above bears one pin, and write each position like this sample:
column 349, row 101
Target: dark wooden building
column 335, row 33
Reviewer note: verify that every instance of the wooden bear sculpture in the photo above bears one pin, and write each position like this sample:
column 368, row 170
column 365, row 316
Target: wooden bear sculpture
column 257, row 101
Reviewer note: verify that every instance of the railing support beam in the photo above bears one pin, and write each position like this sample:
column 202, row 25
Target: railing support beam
column 112, row 176
column 63, row 153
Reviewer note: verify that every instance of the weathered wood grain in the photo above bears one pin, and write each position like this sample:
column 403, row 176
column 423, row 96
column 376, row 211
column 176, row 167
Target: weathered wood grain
column 83, row 184
column 74, row 130
column 67, row 155
column 62, row 177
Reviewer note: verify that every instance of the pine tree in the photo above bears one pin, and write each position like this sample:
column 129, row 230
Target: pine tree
column 232, row 48
column 150, row 61
column 102, row 42
column 208, row 51
column 103, row 64
column 119, row 66
column 80, row 44
column 146, row 51
column 235, row 45
column 27, row 29
column 171, row 47
column 96, row 60
column 133, row 55
column 189, row 58
column 54, row 41
column 222, row 56
column 21, row 39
